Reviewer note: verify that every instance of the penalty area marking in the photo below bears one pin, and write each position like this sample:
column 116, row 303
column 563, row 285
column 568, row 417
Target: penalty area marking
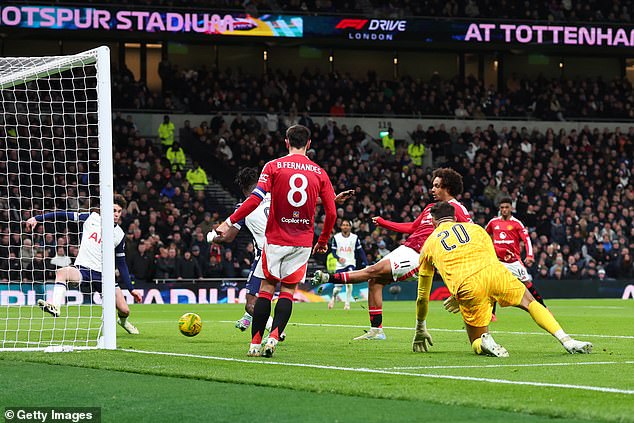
column 389, row 372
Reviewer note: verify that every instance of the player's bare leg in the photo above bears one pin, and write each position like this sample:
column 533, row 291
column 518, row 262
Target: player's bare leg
column 123, row 311
column 346, row 305
column 547, row 321
column 245, row 321
column 62, row 277
column 377, row 275
column 380, row 270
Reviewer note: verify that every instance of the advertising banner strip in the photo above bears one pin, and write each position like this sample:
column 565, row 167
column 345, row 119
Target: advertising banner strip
column 353, row 29
column 85, row 18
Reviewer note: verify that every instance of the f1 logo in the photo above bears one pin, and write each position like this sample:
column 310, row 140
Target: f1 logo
column 352, row 23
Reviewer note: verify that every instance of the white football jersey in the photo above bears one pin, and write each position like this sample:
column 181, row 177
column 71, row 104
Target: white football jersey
column 89, row 254
column 346, row 248
column 256, row 221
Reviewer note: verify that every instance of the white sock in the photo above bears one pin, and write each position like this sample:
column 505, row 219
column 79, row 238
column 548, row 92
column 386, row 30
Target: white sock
column 59, row 294
column 348, row 293
column 269, row 323
column 562, row 336
column 336, row 290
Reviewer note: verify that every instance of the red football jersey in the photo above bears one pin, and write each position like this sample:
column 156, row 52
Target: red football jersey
column 295, row 182
column 506, row 238
column 422, row 227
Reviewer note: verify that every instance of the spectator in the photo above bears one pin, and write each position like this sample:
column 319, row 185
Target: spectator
column 168, row 190
column 212, row 268
column 246, row 258
column 187, row 267
column 197, row 177
column 201, row 259
column 141, row 264
column 166, row 133
column 37, row 270
column 416, row 151
column 27, row 252
column 574, row 273
column 230, row 265
column 225, row 151
column 602, row 276
column 176, row 156
column 382, row 250
column 166, row 264
column 388, row 142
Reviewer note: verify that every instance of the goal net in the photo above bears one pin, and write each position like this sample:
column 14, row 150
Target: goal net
column 55, row 156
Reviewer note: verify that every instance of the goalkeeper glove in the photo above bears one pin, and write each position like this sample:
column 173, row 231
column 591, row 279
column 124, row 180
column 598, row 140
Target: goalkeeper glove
column 421, row 337
column 451, row 305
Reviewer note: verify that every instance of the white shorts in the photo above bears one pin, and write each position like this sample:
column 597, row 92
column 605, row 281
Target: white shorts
column 404, row 263
column 283, row 263
column 518, row 270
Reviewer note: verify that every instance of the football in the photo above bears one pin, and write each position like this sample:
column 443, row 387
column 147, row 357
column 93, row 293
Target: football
column 190, row 324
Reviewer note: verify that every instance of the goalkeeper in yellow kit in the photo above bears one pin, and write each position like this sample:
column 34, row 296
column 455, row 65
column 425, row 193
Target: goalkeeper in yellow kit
column 464, row 256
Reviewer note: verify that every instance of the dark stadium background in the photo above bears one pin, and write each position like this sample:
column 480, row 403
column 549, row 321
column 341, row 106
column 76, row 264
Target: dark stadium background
column 548, row 122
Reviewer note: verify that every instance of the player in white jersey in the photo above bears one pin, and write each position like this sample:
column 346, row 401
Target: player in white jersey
column 256, row 223
column 347, row 249
column 88, row 264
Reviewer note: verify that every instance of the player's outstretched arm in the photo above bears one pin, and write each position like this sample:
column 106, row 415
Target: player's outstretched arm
column 228, row 236
column 421, row 335
column 32, row 222
column 405, row 228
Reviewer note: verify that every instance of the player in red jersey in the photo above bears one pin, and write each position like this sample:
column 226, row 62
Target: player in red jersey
column 507, row 232
column 295, row 184
column 401, row 263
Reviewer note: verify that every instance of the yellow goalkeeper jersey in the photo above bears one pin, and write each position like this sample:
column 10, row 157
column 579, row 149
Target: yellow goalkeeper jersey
column 457, row 251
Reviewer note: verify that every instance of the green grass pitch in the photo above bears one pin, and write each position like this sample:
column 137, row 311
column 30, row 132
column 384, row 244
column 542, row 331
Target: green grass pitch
column 320, row 374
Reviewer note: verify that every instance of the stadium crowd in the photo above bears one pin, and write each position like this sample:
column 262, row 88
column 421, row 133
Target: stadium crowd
column 205, row 90
column 574, row 191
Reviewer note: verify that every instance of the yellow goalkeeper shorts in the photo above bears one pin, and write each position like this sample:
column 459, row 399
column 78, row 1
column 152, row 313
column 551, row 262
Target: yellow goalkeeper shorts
column 477, row 294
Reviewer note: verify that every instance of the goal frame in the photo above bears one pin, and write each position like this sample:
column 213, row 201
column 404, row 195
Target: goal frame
column 101, row 58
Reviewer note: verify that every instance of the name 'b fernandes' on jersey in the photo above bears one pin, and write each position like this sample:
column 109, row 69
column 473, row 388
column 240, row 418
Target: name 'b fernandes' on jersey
column 295, row 183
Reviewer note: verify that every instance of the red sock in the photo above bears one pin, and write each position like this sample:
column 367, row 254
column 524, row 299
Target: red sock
column 376, row 317
column 261, row 313
column 341, row 277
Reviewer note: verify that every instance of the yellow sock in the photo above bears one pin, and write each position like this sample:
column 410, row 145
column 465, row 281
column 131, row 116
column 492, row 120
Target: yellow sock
column 543, row 318
column 477, row 346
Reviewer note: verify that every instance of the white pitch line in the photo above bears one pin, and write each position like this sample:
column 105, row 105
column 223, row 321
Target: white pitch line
column 332, row 325
column 603, row 307
column 446, row 330
column 387, row 372
column 493, row 366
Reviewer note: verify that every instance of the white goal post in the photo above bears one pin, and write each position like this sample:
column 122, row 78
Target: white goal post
column 55, row 156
